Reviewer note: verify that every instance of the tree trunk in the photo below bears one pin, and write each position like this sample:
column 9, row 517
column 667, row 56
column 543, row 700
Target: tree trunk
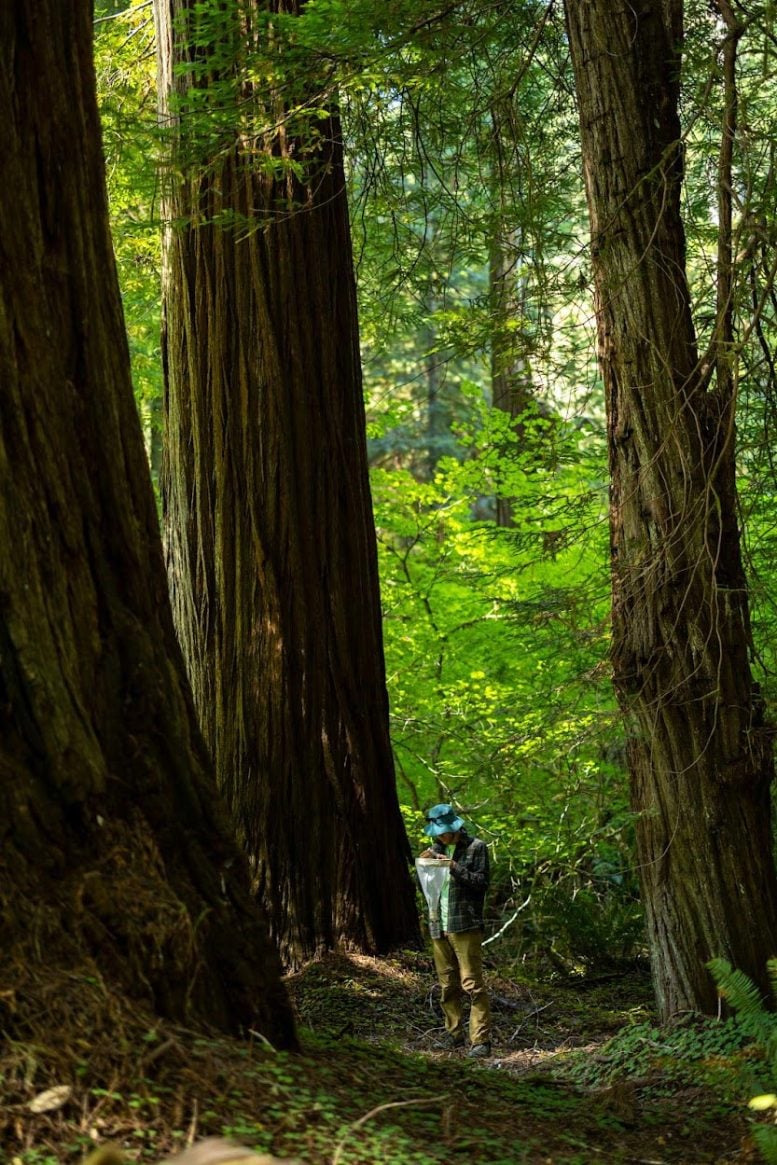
column 437, row 420
column 511, row 384
column 117, row 858
column 701, row 758
column 512, row 390
column 271, row 543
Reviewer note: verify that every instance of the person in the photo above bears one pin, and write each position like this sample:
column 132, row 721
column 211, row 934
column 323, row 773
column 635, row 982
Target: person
column 457, row 929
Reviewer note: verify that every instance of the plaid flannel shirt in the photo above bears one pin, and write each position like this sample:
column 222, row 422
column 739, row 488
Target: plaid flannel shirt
column 469, row 881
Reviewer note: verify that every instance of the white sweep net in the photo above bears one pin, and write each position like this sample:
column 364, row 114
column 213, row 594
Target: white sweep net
column 432, row 874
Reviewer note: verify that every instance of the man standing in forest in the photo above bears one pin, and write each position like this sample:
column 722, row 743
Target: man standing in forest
column 457, row 928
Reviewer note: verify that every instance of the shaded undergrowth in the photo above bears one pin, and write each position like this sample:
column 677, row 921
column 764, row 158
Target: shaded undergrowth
column 372, row 1083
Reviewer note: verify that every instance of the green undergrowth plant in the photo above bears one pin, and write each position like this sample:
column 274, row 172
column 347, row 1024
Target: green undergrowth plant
column 563, row 895
column 690, row 1052
column 752, row 1014
column 596, row 921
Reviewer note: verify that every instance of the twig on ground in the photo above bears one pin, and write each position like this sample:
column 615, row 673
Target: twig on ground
column 531, row 1015
column 158, row 1051
column 193, row 1123
column 373, row 1112
column 263, row 1039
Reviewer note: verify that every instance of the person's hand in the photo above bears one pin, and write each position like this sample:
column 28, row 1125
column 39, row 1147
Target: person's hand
column 428, row 853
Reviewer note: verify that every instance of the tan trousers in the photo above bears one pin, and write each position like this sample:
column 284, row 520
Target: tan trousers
column 459, row 964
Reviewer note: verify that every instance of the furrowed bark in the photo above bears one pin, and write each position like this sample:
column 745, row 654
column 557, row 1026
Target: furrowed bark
column 270, row 536
column 116, row 853
column 700, row 752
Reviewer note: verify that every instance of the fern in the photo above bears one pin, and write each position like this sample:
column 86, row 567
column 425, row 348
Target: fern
column 765, row 1137
column 744, row 997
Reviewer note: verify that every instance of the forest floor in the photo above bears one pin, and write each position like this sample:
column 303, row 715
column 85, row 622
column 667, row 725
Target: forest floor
column 372, row 1084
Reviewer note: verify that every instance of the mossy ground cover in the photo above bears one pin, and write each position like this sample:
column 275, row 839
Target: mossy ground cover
column 371, row 1083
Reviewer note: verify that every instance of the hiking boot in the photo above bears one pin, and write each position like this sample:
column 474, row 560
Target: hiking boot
column 479, row 1051
column 451, row 1042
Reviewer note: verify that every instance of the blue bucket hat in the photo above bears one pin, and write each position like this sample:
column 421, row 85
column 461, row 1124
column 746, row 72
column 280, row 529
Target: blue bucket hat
column 442, row 819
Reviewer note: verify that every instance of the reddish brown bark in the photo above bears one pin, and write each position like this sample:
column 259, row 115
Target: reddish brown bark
column 116, row 855
column 271, row 543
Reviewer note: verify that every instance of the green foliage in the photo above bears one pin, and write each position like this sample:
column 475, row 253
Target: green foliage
column 126, row 82
column 496, row 646
column 753, row 275
column 595, row 920
column 495, row 637
column 693, row 1050
column 743, row 996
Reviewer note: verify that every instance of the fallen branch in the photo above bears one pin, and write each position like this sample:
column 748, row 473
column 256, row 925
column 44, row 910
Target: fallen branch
column 509, row 922
column 373, row 1112
column 530, row 1015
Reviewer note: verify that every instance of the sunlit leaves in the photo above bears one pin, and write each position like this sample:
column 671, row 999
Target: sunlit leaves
column 496, row 641
column 126, row 77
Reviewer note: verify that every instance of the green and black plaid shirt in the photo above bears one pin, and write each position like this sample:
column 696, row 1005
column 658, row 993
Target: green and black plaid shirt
column 469, row 881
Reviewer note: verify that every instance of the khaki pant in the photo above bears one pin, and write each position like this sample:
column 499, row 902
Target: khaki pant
column 459, row 964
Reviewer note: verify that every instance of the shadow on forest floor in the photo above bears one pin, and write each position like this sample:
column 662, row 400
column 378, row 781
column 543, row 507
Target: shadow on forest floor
column 372, row 1084
column 395, row 1001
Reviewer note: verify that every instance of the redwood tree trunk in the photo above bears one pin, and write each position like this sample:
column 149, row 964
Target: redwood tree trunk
column 117, row 859
column 271, row 543
column 701, row 758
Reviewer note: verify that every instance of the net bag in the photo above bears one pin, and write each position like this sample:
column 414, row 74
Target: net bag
column 432, row 874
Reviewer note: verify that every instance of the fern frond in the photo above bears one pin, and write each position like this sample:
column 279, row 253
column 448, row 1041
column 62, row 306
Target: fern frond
column 741, row 993
column 765, row 1137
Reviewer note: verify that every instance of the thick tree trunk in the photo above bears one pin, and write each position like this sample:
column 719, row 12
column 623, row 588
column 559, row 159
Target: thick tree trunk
column 116, row 854
column 701, row 757
column 271, row 543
